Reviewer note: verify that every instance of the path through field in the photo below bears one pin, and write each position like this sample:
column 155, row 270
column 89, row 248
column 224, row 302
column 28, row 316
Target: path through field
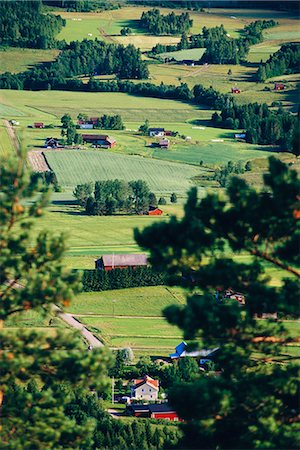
column 70, row 320
column 12, row 134
column 38, row 161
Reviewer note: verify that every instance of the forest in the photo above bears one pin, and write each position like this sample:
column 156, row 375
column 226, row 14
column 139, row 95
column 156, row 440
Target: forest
column 286, row 60
column 220, row 47
column 109, row 197
column 156, row 23
column 26, row 26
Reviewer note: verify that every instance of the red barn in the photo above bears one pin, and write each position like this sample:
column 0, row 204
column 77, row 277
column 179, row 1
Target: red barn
column 155, row 212
column 155, row 411
column 38, row 125
column 110, row 262
column 235, row 90
column 100, row 140
column 278, row 86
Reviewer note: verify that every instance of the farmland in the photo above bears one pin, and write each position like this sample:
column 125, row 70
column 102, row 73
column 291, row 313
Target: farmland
column 16, row 60
column 76, row 166
column 6, row 144
column 181, row 55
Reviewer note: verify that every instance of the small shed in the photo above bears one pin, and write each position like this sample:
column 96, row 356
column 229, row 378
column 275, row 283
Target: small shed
column 241, row 136
column 51, row 142
column 279, row 86
column 155, row 211
column 164, row 143
column 110, row 262
column 104, row 141
column 235, row 90
column 38, row 125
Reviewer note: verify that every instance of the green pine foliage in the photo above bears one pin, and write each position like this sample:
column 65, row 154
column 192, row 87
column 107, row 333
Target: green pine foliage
column 252, row 402
column 32, row 277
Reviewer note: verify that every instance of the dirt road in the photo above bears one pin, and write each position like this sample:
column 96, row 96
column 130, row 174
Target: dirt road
column 12, row 134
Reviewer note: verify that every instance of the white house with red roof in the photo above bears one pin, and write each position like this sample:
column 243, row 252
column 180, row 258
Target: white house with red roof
column 145, row 389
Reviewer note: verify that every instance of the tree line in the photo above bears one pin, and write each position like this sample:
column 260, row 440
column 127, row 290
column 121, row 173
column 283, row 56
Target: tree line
column 83, row 5
column 109, row 197
column 80, row 58
column 23, row 24
column 220, row 47
column 156, row 23
column 285, row 60
column 100, row 280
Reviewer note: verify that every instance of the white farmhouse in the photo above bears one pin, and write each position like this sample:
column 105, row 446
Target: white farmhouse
column 145, row 389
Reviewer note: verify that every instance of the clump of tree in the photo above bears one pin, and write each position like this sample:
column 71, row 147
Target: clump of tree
column 262, row 125
column 156, row 23
column 100, row 280
column 144, row 128
column 33, row 278
column 125, row 31
column 106, row 122
column 256, row 396
column 286, row 60
column 115, row 196
column 220, row 47
column 173, row 198
column 99, row 58
column 223, row 174
column 69, row 131
column 23, row 24
column 46, row 179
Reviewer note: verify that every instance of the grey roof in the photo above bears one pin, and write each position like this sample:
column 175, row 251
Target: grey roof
column 125, row 260
column 161, row 407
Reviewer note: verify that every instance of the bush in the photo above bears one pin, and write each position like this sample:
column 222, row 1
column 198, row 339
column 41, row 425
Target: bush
column 162, row 201
column 173, row 198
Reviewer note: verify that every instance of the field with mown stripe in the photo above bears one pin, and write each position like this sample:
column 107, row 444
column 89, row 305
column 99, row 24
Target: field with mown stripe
column 17, row 60
column 73, row 167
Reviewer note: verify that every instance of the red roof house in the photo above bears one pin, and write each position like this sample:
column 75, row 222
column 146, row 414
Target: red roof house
column 154, row 411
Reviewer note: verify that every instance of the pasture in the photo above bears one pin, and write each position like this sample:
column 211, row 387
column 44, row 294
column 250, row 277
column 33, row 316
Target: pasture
column 146, row 301
column 17, row 60
column 73, row 167
column 182, row 55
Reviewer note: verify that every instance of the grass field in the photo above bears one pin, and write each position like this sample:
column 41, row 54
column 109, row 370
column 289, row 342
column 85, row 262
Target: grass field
column 146, row 301
column 73, row 167
column 16, row 60
column 181, row 55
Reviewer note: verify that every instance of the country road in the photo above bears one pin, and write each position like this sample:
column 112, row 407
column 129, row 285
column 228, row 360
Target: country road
column 70, row 320
column 12, row 134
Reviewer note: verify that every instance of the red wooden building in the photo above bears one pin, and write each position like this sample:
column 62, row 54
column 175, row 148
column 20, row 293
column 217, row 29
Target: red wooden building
column 235, row 90
column 100, row 140
column 155, row 411
column 155, row 211
column 38, row 125
column 278, row 86
column 109, row 262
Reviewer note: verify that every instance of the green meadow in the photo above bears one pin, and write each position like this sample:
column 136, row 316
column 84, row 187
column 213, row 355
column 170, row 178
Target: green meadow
column 16, row 60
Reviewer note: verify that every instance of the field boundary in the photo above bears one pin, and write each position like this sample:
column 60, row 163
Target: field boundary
column 38, row 161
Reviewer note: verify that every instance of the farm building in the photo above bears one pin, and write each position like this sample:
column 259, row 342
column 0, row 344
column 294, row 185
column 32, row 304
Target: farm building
column 38, row 125
column 51, row 142
column 235, row 90
column 156, row 411
column 155, row 211
column 240, row 136
column 164, row 143
column 109, row 262
column 86, row 126
column 158, row 132
column 99, row 140
column 145, row 389
column 279, row 86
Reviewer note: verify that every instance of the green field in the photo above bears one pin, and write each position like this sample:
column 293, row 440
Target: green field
column 73, row 167
column 146, row 301
column 194, row 54
column 16, row 60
